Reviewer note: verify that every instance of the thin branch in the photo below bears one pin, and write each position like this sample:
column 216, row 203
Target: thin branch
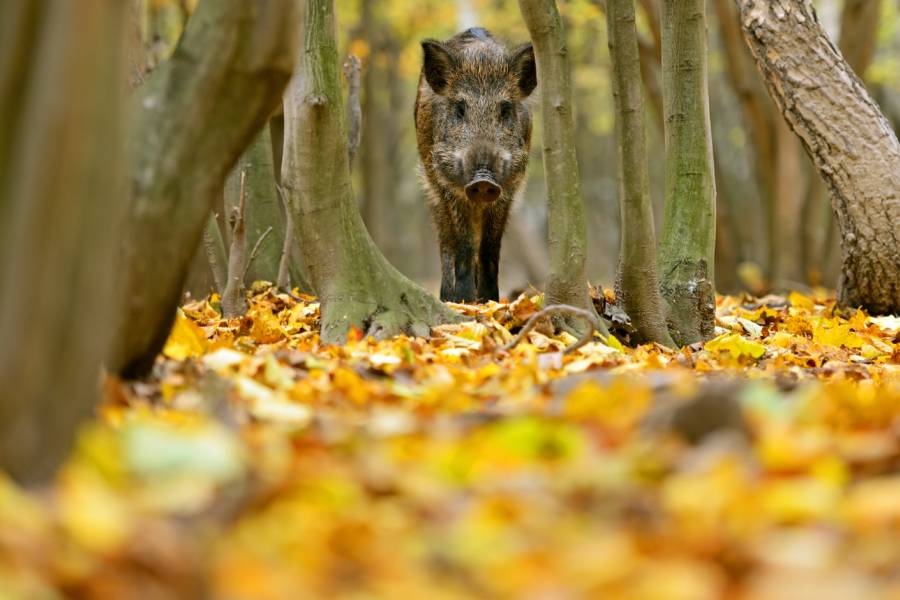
column 565, row 310
column 255, row 250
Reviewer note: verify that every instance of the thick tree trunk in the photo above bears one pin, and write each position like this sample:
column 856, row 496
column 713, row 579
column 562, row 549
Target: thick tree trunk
column 356, row 285
column 687, row 249
column 565, row 212
column 61, row 185
column 637, row 285
column 847, row 136
column 194, row 117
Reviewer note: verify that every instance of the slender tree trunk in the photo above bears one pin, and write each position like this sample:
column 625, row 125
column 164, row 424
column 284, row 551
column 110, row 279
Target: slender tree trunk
column 859, row 32
column 264, row 212
column 214, row 248
column 356, row 285
column 378, row 184
column 61, row 84
column 760, row 122
column 565, row 213
column 637, row 283
column 194, row 117
column 687, row 249
column 847, row 136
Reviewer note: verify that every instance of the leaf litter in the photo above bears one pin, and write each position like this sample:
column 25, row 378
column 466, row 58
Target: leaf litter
column 256, row 463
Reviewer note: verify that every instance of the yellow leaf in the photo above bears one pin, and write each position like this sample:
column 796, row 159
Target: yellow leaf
column 798, row 300
column 736, row 346
column 834, row 334
column 186, row 340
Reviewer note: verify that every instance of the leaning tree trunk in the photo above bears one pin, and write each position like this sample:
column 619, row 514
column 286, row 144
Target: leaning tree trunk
column 61, row 184
column 193, row 118
column 687, row 248
column 849, row 139
column 567, row 283
column 356, row 285
column 637, row 284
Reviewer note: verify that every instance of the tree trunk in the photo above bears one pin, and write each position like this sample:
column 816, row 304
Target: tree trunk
column 193, row 118
column 292, row 272
column 565, row 212
column 859, row 33
column 637, row 285
column 687, row 249
column 760, row 122
column 847, row 136
column 263, row 207
column 61, row 83
column 356, row 285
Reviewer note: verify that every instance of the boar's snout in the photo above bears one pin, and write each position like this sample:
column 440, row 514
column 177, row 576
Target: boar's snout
column 483, row 187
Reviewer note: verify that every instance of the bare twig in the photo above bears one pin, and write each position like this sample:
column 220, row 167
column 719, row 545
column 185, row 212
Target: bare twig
column 255, row 250
column 232, row 303
column 563, row 310
column 352, row 68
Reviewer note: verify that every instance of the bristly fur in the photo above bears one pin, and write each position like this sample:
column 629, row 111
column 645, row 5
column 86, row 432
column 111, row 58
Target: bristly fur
column 471, row 117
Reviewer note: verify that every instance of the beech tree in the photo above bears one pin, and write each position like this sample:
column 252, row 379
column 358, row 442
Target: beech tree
column 848, row 138
column 193, row 118
column 356, row 285
column 687, row 249
column 637, row 284
column 61, row 90
column 567, row 282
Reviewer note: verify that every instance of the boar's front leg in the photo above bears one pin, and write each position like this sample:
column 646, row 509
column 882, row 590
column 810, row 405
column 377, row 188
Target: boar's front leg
column 489, row 253
column 457, row 254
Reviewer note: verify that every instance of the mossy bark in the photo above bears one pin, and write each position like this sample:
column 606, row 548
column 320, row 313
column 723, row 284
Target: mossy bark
column 192, row 120
column 687, row 249
column 61, row 189
column 567, row 242
column 355, row 284
column 637, row 285
column 850, row 141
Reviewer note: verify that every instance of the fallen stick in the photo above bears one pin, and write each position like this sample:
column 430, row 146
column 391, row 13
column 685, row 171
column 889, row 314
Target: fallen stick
column 559, row 309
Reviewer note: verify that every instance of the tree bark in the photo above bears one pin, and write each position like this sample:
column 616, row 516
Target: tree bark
column 687, row 250
column 356, row 285
column 292, row 271
column 849, row 139
column 61, row 84
column 263, row 210
column 567, row 234
column 637, row 285
column 193, row 118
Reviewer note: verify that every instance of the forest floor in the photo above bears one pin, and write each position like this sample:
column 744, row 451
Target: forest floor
column 256, row 464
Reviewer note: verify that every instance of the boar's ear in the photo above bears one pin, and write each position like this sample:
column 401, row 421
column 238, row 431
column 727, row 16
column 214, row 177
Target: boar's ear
column 522, row 67
column 438, row 62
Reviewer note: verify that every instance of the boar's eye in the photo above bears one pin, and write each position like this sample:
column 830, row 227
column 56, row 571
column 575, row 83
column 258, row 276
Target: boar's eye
column 506, row 110
column 459, row 109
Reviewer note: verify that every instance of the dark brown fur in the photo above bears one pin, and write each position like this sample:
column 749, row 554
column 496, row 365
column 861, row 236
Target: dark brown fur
column 472, row 125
